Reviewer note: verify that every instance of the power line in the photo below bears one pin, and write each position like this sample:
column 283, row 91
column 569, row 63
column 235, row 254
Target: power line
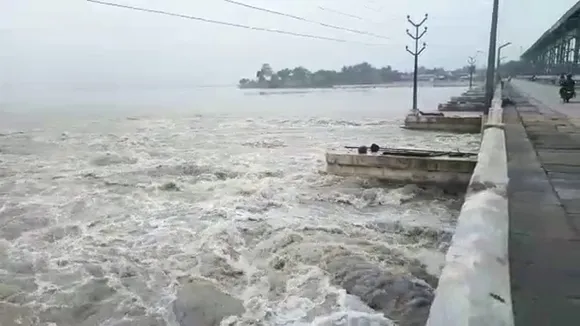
column 340, row 13
column 444, row 19
column 305, row 19
column 206, row 20
column 349, row 15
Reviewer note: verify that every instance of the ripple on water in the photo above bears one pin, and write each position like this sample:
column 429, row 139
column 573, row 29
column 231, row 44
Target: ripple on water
column 111, row 222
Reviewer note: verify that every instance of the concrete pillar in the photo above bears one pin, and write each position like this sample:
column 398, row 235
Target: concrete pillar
column 572, row 41
column 553, row 59
column 570, row 50
column 560, row 58
column 540, row 65
column 548, row 60
column 576, row 59
column 562, row 52
column 570, row 53
column 543, row 62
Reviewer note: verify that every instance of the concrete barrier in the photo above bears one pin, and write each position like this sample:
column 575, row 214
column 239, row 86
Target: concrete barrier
column 474, row 287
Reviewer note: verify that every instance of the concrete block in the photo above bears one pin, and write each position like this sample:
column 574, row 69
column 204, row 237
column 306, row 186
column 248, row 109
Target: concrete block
column 468, row 98
column 443, row 171
column 454, row 124
column 461, row 107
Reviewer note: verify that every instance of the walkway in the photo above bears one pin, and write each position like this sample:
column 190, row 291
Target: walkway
column 543, row 142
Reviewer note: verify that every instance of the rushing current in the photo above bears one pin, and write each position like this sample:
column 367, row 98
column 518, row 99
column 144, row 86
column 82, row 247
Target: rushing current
column 191, row 207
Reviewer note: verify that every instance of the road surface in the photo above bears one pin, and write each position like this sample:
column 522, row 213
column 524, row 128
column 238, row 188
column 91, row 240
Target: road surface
column 543, row 142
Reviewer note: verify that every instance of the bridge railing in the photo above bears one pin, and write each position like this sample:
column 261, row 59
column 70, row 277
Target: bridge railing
column 474, row 287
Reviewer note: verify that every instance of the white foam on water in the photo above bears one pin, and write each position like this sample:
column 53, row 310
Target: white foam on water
column 101, row 220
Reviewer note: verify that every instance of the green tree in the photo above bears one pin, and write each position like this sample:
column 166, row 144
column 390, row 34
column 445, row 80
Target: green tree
column 300, row 77
column 300, row 74
column 284, row 74
column 264, row 72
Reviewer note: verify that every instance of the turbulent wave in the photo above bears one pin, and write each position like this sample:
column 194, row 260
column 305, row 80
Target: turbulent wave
column 148, row 221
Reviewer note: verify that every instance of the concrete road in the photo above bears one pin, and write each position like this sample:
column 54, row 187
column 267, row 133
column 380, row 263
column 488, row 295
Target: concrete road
column 544, row 198
column 549, row 96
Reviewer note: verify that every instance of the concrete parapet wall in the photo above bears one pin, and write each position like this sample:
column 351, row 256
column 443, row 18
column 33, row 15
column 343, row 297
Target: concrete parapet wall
column 474, row 287
column 442, row 123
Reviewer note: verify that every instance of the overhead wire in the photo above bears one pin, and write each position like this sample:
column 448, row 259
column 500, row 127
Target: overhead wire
column 443, row 19
column 340, row 13
column 224, row 23
column 238, row 3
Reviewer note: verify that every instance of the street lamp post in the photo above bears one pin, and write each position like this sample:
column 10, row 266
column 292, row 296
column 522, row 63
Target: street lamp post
column 499, row 58
column 471, row 61
column 416, row 54
column 489, row 79
column 472, row 66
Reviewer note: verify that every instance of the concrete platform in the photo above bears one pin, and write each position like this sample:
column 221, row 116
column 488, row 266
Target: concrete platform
column 543, row 144
column 476, row 91
column 456, row 124
column 466, row 107
column 407, row 166
column 468, row 98
column 472, row 100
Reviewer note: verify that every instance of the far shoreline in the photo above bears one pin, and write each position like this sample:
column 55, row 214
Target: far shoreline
column 441, row 83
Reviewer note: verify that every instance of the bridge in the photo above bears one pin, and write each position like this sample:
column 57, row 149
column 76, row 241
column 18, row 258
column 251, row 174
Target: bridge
column 558, row 49
column 515, row 256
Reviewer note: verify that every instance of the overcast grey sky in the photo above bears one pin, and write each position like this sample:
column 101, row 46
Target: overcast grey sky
column 67, row 41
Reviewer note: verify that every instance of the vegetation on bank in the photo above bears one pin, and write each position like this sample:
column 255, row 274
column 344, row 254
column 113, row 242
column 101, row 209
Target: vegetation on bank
column 366, row 74
column 359, row 74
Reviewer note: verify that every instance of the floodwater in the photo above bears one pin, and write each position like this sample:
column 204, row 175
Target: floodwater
column 181, row 207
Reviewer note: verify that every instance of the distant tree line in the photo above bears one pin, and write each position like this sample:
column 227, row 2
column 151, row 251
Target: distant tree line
column 359, row 74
